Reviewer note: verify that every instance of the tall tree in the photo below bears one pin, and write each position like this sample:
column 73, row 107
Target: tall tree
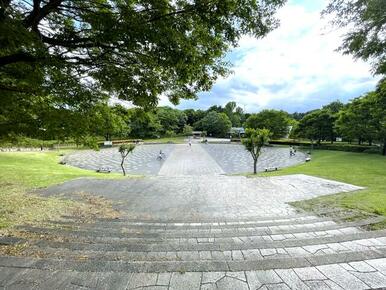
column 275, row 121
column 317, row 125
column 134, row 49
column 144, row 124
column 171, row 119
column 366, row 22
column 356, row 120
column 233, row 115
column 216, row 124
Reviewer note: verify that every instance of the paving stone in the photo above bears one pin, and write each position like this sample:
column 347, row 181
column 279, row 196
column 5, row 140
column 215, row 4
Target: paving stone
column 342, row 277
column 163, row 279
column 317, row 285
column 296, row 251
column 379, row 264
column 137, row 280
column 291, row 279
column 280, row 286
column 258, row 278
column 188, row 281
column 109, row 281
column 361, row 267
column 309, row 273
column 373, row 279
column 268, row 252
column 230, row 283
column 212, row 277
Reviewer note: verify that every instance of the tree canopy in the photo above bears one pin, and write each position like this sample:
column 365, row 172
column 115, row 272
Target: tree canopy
column 365, row 20
column 275, row 121
column 81, row 50
column 216, row 124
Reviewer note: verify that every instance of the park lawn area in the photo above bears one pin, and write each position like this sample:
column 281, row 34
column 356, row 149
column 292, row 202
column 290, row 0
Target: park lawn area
column 21, row 172
column 367, row 170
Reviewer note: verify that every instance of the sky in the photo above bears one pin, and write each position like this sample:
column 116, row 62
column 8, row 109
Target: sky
column 295, row 68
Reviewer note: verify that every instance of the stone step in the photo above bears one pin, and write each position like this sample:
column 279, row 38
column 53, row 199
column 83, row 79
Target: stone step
column 185, row 266
column 207, row 233
column 161, row 226
column 356, row 275
column 139, row 246
column 176, row 242
column 222, row 219
column 262, row 253
column 179, row 232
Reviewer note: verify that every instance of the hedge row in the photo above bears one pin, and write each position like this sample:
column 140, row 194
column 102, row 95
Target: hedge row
column 328, row 146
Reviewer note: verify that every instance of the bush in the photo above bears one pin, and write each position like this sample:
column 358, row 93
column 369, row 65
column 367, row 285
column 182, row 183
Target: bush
column 25, row 142
column 328, row 146
column 290, row 142
column 170, row 133
column 373, row 151
column 346, row 148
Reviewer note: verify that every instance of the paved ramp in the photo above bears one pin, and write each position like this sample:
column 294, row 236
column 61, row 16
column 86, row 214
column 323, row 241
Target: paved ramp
column 190, row 160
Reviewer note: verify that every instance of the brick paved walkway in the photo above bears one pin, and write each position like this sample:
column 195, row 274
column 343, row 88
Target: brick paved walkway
column 200, row 159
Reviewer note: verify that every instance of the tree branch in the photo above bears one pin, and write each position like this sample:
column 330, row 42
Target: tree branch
column 38, row 13
column 17, row 57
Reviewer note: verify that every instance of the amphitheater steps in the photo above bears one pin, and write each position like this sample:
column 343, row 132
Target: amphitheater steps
column 154, row 250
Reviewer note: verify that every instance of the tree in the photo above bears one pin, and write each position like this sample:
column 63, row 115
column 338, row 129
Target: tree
column 366, row 22
column 216, row 124
column 275, row 121
column 136, row 50
column 106, row 122
column 171, row 119
column 143, row 124
column 125, row 150
column 317, row 125
column 379, row 113
column 253, row 141
column 356, row 120
column 188, row 130
column 234, row 113
column 334, row 107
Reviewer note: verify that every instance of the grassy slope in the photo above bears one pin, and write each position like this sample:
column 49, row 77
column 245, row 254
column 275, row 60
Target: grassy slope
column 356, row 168
column 36, row 169
column 21, row 172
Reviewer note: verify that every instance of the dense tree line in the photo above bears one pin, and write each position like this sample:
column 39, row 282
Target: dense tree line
column 361, row 120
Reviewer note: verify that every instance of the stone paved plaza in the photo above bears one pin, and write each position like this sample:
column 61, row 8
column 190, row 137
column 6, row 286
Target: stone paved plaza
column 204, row 197
column 200, row 159
column 189, row 226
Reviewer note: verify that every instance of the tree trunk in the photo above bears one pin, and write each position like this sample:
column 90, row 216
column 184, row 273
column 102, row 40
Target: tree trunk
column 370, row 142
column 123, row 168
column 254, row 166
column 384, row 147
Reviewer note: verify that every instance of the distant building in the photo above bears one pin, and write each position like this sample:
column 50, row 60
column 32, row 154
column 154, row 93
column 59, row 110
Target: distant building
column 197, row 134
column 236, row 133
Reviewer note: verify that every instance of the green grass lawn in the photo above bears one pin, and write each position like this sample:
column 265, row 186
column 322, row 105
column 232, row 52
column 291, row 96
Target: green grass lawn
column 20, row 172
column 176, row 140
column 368, row 170
column 40, row 169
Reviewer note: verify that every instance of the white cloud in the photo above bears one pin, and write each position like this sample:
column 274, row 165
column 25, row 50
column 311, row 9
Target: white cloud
column 296, row 67
column 300, row 57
